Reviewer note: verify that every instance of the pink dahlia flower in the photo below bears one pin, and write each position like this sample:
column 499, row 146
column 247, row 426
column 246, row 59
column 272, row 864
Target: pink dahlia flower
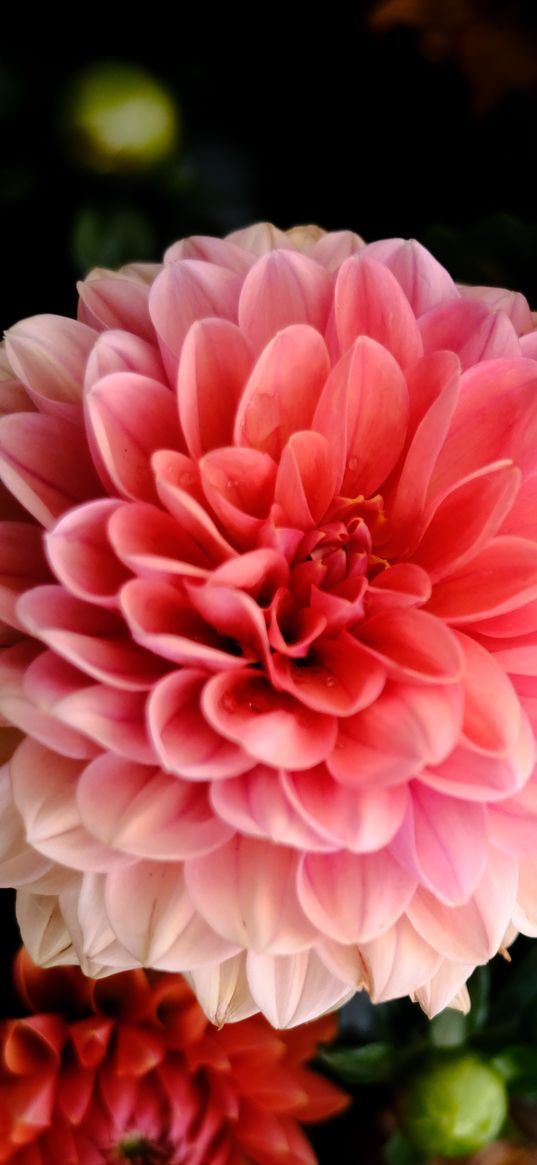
column 129, row 1070
column 269, row 591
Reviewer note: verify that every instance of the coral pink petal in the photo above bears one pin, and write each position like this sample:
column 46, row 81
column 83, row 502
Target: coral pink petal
column 117, row 351
column 500, row 577
column 112, row 301
column 292, row 989
column 363, row 414
column 82, row 557
column 162, row 620
column 49, row 354
column 129, row 417
column 239, row 487
column 151, row 543
column 246, row 891
column 398, row 962
column 414, row 645
column 257, row 804
column 142, row 811
column 477, row 776
column 423, row 279
column 354, row 897
column 472, row 933
column 22, row 566
column 359, row 820
column 234, row 614
column 283, row 389
column 405, row 584
column 170, row 471
column 306, row 479
column 443, row 843
column 283, row 288
column 471, row 330
column 338, row 678
column 491, row 706
column 260, row 573
column 185, row 292
column 184, row 740
column 164, row 930
column 45, row 486
column 223, row 252
column 370, row 302
column 213, row 370
column 271, row 726
column 512, row 303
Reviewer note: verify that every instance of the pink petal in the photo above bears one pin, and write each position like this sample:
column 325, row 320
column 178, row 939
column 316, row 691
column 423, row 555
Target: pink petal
column 478, row 776
column 185, row 292
column 525, row 912
column 164, row 931
column 407, row 727
column 369, row 302
column 109, row 716
column 22, row 565
column 474, row 932
column 49, row 354
column 499, row 578
column 334, row 247
column 293, row 989
column 444, row 989
column 234, row 614
column 398, row 962
column 260, row 573
column 423, row 279
column 144, row 812
column 338, row 677
column 283, row 390
column 117, row 351
column 239, row 486
column 283, row 288
column 358, row 820
column 220, row 251
column 246, row 891
column 521, row 517
column 170, row 470
column 45, row 485
column 21, row 712
column 109, row 299
column 162, row 620
column 259, row 239
column 270, row 725
column 184, row 740
column 256, row 804
column 471, row 330
column 129, row 417
column 413, row 644
column 495, row 420
column 491, row 706
column 363, row 414
column 512, row 303
column 89, row 637
column 214, row 367
column 353, row 897
column 512, row 823
column 306, row 479
column 222, row 990
column 81, row 556
column 19, row 863
column 152, row 544
column 443, row 844
column 403, row 585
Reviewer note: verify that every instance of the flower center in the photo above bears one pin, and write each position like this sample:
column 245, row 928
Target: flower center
column 137, row 1149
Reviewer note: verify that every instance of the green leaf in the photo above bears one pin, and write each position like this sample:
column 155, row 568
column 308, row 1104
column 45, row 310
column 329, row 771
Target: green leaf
column 518, row 1067
column 449, row 1029
column 370, row 1064
column 399, row 1151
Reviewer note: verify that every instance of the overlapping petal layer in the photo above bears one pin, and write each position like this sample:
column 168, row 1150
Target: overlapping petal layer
column 269, row 622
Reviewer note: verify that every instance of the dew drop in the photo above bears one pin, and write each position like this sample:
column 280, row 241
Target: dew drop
column 352, row 464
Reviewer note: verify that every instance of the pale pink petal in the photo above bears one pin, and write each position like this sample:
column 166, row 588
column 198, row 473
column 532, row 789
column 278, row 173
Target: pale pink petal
column 358, row 820
column 477, row 776
column 184, row 740
column 246, row 891
column 423, row 279
column 271, row 726
column 46, row 486
column 223, row 252
column 239, row 487
column 491, row 707
column 257, row 804
column 512, row 823
column 130, row 416
column 306, row 479
column 21, row 711
column 283, row 390
column 446, row 988
column 525, row 912
column 345, row 961
column 84, row 913
column 353, row 897
column 334, row 247
column 292, row 989
column 43, row 929
column 406, row 728
column 398, row 962
column 111, row 300
column 80, row 553
column 49, row 354
column 110, row 717
column 471, row 330
column 214, row 367
column 259, row 239
column 467, row 519
column 144, row 812
column 19, row 862
column 363, row 413
column 514, row 304
column 338, row 677
column 443, row 843
column 283, row 288
column 165, row 930
column 472, row 933
column 187, row 291
column 370, row 302
column 414, row 644
column 22, row 566
column 500, row 577
column 118, row 351
column 222, row 990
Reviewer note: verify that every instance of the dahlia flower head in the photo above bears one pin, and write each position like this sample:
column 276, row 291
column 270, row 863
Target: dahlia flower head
column 130, row 1069
column 269, row 592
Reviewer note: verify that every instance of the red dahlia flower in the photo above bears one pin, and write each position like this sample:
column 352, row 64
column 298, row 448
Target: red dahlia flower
column 270, row 614
column 129, row 1069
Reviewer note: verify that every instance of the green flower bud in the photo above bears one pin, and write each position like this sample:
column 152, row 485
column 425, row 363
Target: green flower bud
column 453, row 1105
